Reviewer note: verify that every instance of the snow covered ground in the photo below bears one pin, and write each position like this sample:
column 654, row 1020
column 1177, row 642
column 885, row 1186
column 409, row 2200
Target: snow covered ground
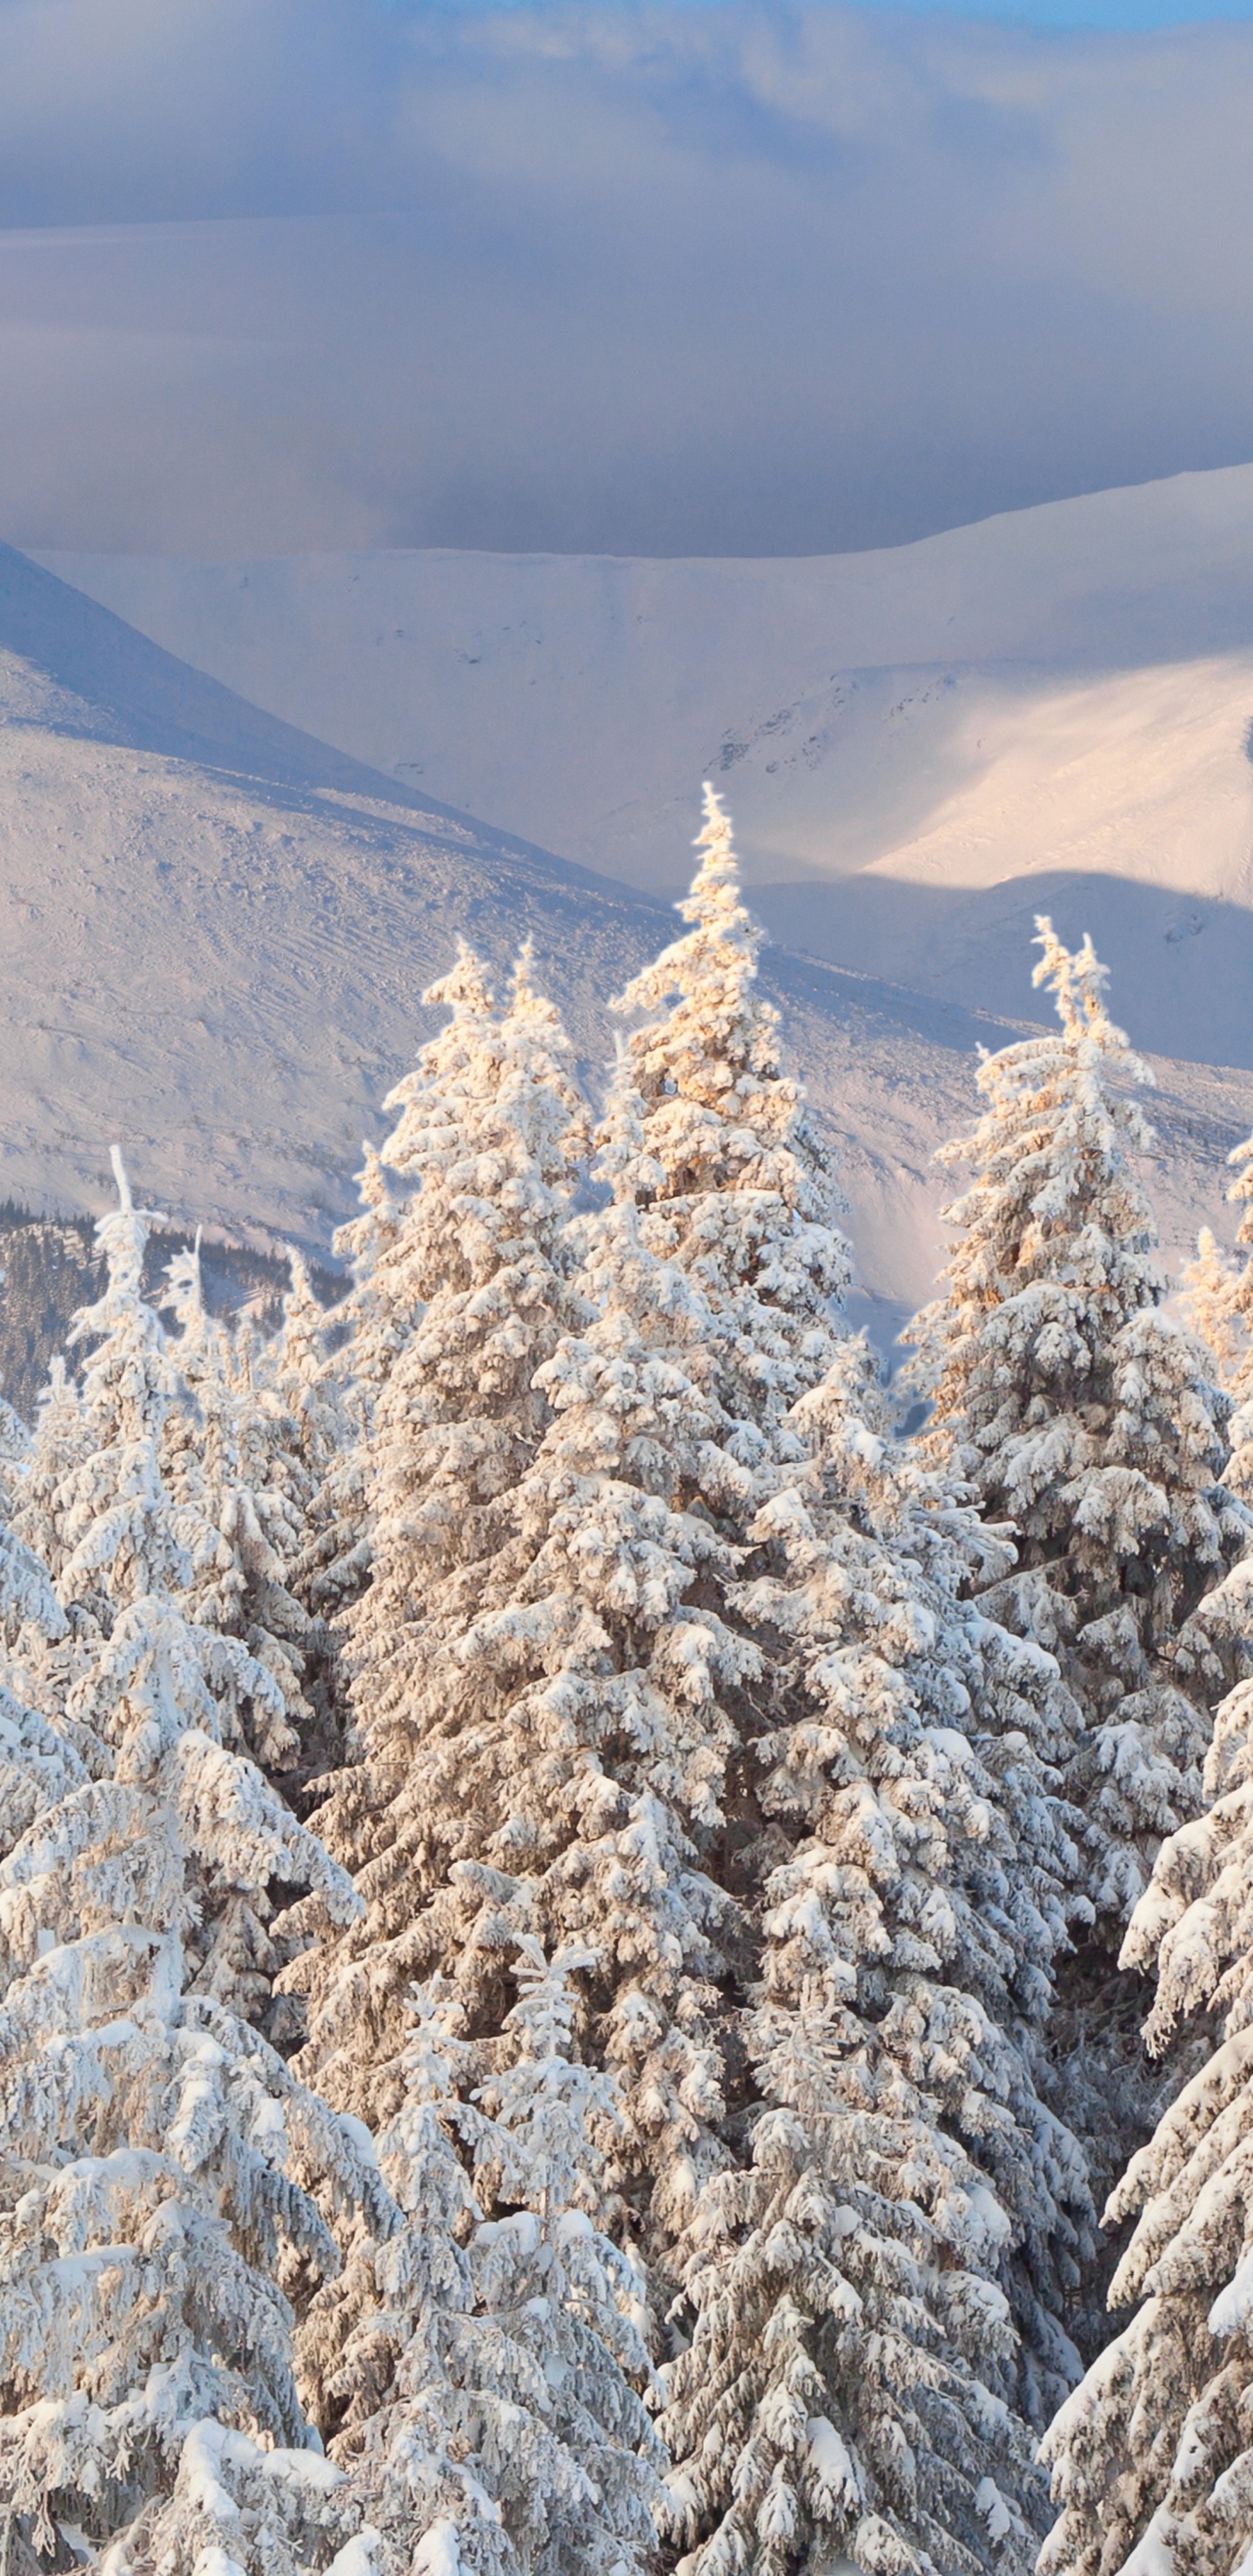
column 921, row 747
column 214, row 929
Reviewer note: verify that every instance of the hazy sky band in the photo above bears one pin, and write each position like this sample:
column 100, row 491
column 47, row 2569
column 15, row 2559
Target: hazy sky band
column 614, row 279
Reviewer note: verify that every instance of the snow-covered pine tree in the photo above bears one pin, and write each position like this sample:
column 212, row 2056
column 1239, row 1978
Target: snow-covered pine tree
column 367, row 1322
column 26, row 1593
column 1218, row 1302
column 326, row 1366
column 476, row 1291
column 1209, row 1303
column 556, row 1758
column 489, row 1137
column 896, row 1702
column 138, row 1655
column 37, row 1762
column 486, row 2362
column 709, row 1138
column 712, row 1142
column 229, row 1462
column 872, row 2293
column 332, row 1370
column 304, row 1370
column 38, row 1479
column 166, row 2186
column 384, row 1304
column 1152, row 2457
column 14, row 1442
column 1083, row 1416
column 1229, row 1317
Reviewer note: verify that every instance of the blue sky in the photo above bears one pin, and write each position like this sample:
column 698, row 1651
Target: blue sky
column 625, row 276
column 1112, row 17
column 1107, row 16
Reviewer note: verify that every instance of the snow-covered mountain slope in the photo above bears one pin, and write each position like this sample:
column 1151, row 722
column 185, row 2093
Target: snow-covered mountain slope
column 214, row 932
column 922, row 747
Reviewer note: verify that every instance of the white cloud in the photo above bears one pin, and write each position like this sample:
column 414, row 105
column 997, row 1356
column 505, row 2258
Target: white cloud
column 629, row 279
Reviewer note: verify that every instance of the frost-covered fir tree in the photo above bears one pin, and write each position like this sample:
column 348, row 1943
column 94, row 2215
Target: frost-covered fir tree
column 711, row 1140
column 1152, row 2457
column 226, row 1459
column 26, row 1593
column 305, row 1372
column 486, row 2362
column 1209, row 1303
column 872, row 2293
column 1083, row 1416
column 489, row 1136
column 327, row 1366
column 1230, row 1316
column 14, row 1443
column 371, row 1330
column 167, row 2189
column 851, row 1574
column 137, row 1651
column 36, row 1761
column 559, row 1756
column 39, row 1478
column 164, row 2182
column 1218, row 1302
column 385, row 1302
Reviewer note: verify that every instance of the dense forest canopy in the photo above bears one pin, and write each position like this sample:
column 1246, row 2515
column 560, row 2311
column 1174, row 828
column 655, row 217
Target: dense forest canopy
column 613, row 1931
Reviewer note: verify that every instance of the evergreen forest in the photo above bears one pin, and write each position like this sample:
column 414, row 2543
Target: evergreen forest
column 626, row 1949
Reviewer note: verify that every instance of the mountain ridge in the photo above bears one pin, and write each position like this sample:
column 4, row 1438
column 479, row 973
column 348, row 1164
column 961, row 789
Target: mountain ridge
column 1058, row 700
column 215, row 932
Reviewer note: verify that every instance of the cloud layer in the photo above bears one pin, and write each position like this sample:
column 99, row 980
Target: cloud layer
column 284, row 274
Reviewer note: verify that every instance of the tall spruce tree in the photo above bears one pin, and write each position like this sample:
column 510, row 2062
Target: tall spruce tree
column 1218, row 1303
column 565, row 1737
column 165, row 2183
column 873, row 2291
column 491, row 1129
column 227, row 1463
column 877, row 1698
column 485, row 2362
column 25, row 1582
column 711, row 1140
column 1089, row 1422
column 1152, row 2457
column 1209, row 1302
column 478, row 1292
column 304, row 1372
column 14, row 1444
column 137, row 1648
column 1084, row 1417
column 38, row 1760
column 625, row 1519
column 45, row 1462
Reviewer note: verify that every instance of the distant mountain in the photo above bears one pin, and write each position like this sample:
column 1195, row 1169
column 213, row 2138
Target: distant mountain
column 922, row 746
column 214, row 931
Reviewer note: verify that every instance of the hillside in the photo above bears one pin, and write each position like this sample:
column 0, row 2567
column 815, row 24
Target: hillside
column 922, row 746
column 1042, row 709
column 214, row 932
